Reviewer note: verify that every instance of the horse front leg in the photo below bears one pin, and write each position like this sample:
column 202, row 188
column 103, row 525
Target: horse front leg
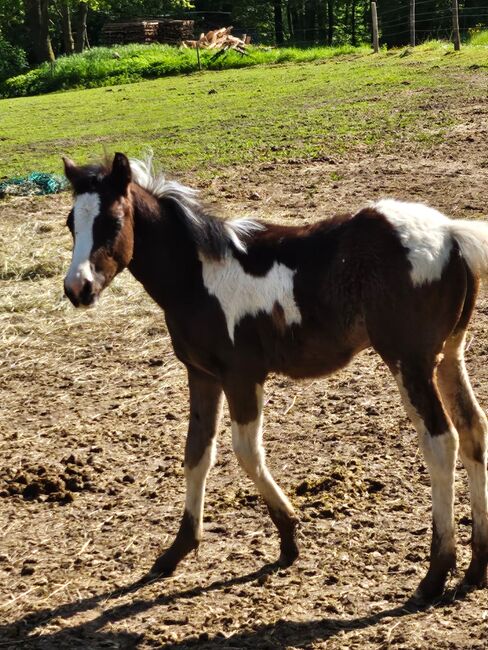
column 205, row 412
column 246, row 409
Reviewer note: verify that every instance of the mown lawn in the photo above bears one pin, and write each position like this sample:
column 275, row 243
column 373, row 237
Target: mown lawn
column 205, row 121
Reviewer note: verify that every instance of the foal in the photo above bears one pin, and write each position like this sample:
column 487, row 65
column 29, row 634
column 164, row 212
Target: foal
column 244, row 298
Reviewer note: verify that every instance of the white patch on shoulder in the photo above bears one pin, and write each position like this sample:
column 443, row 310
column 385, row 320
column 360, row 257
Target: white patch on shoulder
column 85, row 210
column 425, row 232
column 241, row 294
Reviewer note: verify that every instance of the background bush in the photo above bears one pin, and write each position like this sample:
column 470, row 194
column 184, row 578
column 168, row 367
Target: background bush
column 13, row 60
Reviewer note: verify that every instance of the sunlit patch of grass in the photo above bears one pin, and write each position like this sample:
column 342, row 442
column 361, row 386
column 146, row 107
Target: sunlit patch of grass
column 203, row 122
column 105, row 66
column 479, row 38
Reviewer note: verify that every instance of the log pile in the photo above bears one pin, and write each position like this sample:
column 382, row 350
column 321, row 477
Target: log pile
column 137, row 31
column 219, row 39
column 172, row 32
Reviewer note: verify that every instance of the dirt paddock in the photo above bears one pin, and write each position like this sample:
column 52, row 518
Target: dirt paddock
column 93, row 421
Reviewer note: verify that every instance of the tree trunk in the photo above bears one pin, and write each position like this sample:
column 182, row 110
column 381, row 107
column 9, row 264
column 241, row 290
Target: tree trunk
column 80, row 27
column 353, row 23
column 45, row 47
column 330, row 19
column 322, row 21
column 37, row 23
column 297, row 21
column 278, row 22
column 65, row 11
column 310, row 21
column 291, row 26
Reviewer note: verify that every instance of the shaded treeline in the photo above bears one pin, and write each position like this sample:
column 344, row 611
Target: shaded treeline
column 46, row 28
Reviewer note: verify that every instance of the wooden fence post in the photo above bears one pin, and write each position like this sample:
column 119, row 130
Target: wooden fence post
column 412, row 23
column 198, row 57
column 455, row 25
column 374, row 21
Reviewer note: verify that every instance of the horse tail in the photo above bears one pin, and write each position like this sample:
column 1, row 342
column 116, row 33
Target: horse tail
column 472, row 239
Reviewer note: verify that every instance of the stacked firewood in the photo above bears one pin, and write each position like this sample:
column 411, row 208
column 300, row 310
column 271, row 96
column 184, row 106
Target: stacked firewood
column 173, row 32
column 140, row 31
column 219, row 39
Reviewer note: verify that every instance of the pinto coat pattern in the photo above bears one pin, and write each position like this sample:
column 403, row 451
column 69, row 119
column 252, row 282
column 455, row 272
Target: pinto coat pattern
column 243, row 299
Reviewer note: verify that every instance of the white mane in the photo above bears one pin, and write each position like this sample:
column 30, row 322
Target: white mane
column 155, row 182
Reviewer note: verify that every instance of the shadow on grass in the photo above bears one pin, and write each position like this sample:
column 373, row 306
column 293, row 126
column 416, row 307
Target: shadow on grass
column 29, row 633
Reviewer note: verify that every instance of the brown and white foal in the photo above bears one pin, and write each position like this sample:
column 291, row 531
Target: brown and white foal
column 243, row 299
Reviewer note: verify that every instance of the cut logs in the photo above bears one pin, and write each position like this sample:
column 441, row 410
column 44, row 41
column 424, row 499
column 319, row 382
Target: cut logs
column 171, row 32
column 219, row 39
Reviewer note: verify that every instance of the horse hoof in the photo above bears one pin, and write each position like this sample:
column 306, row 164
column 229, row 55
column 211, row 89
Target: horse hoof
column 474, row 580
column 429, row 590
column 162, row 568
column 287, row 558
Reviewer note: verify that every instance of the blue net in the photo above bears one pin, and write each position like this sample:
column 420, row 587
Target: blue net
column 37, row 183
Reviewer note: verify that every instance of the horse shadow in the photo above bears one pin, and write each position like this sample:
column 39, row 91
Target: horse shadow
column 28, row 633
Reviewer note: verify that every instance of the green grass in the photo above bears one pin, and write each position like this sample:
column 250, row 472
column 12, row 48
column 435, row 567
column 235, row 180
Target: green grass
column 479, row 39
column 104, row 66
column 207, row 121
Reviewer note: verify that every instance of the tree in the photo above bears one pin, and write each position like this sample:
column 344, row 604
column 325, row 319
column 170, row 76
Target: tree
column 37, row 23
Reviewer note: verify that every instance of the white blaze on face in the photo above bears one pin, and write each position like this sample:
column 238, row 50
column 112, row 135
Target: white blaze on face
column 85, row 210
column 241, row 294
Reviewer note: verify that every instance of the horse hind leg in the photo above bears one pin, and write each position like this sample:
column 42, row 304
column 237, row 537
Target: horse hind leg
column 247, row 423
column 439, row 442
column 472, row 426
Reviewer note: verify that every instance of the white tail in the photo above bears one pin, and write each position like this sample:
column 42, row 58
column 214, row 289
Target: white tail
column 472, row 237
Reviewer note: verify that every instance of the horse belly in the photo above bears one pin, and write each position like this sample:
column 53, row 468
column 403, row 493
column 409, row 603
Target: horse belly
column 318, row 355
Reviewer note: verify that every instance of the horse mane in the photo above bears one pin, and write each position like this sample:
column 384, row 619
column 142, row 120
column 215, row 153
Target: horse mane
column 214, row 237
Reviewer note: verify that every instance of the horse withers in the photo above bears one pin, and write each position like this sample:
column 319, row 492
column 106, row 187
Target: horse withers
column 245, row 298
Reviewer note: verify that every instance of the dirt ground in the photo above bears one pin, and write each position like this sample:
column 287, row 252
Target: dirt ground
column 93, row 419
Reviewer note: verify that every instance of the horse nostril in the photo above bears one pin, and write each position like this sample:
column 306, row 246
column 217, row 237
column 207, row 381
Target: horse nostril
column 71, row 295
column 86, row 293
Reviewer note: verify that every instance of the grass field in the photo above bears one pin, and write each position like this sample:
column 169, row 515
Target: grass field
column 107, row 66
column 208, row 120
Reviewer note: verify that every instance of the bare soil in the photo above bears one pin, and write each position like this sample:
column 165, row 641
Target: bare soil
column 93, row 420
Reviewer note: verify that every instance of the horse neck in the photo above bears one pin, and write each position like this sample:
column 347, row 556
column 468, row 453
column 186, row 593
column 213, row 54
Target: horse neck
column 164, row 258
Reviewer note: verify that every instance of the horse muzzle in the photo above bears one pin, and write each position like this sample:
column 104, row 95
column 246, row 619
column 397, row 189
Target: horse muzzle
column 83, row 294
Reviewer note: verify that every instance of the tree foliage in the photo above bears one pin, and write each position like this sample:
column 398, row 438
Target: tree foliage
column 44, row 28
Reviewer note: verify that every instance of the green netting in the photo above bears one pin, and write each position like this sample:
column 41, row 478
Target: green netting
column 34, row 184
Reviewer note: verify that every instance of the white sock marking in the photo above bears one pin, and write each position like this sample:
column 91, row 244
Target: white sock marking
column 196, row 479
column 440, row 453
column 248, row 447
column 472, row 428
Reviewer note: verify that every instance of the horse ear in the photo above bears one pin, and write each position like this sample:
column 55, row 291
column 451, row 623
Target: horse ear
column 121, row 174
column 71, row 171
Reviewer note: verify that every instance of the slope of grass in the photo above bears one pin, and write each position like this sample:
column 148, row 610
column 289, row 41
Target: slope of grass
column 207, row 121
column 104, row 66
